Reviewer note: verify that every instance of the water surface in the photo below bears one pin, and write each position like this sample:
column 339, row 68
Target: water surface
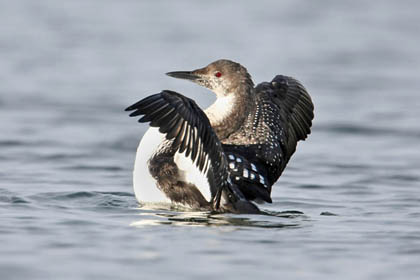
column 347, row 206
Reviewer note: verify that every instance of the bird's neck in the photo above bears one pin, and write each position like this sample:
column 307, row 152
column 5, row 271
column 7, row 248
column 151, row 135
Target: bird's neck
column 228, row 113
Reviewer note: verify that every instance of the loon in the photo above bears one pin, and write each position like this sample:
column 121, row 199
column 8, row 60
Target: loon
column 227, row 157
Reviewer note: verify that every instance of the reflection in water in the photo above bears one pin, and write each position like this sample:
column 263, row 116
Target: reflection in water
column 157, row 215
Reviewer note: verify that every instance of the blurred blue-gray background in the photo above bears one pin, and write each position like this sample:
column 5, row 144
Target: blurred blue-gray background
column 69, row 68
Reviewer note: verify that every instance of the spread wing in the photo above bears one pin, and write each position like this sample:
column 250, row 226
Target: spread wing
column 282, row 116
column 181, row 119
column 288, row 113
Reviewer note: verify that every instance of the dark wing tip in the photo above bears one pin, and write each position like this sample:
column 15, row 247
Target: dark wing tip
column 144, row 103
column 129, row 108
column 134, row 114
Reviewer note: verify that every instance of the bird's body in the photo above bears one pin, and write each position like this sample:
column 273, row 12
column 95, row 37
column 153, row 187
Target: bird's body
column 228, row 155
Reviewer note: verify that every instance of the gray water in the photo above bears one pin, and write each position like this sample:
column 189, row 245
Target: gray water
column 347, row 206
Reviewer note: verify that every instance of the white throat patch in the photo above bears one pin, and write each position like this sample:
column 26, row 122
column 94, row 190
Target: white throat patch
column 220, row 109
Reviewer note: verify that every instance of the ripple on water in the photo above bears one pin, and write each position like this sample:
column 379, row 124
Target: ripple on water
column 358, row 129
column 314, row 186
column 87, row 200
column 8, row 197
column 96, row 167
column 11, row 143
column 12, row 199
column 404, row 178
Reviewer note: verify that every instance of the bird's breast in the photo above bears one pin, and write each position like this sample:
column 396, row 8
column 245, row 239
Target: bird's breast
column 144, row 184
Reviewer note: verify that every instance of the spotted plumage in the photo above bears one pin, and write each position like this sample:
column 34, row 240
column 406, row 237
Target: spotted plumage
column 241, row 143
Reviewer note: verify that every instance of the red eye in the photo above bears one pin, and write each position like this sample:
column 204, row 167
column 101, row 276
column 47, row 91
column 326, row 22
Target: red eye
column 218, row 74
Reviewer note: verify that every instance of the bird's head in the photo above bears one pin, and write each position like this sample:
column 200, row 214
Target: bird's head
column 223, row 77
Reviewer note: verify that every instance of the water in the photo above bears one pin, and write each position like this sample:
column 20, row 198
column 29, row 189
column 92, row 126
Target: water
column 347, row 206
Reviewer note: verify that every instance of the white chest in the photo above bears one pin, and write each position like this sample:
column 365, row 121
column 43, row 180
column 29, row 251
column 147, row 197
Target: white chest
column 145, row 187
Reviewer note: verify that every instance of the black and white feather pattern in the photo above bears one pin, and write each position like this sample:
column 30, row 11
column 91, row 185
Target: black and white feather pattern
column 281, row 117
column 294, row 109
column 288, row 113
column 249, row 176
column 182, row 121
column 249, row 161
